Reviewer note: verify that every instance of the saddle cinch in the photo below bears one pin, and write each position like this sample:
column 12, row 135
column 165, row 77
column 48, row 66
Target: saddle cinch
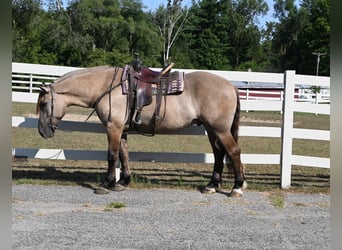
column 140, row 83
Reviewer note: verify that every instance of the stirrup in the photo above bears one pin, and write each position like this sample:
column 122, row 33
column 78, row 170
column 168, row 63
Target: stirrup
column 137, row 118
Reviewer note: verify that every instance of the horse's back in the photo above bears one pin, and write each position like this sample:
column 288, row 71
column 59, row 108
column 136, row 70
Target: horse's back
column 213, row 97
column 208, row 85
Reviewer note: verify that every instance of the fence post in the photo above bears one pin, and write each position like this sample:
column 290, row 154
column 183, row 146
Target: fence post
column 287, row 128
column 247, row 97
column 282, row 99
column 31, row 83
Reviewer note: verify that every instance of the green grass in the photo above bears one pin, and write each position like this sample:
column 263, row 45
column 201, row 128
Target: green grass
column 277, row 200
column 180, row 175
column 114, row 205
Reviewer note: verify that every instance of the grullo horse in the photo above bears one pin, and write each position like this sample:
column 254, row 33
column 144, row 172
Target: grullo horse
column 207, row 99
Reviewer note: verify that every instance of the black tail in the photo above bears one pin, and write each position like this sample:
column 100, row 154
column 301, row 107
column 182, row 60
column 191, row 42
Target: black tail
column 235, row 126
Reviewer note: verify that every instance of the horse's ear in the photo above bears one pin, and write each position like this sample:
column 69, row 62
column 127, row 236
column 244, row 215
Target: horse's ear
column 44, row 88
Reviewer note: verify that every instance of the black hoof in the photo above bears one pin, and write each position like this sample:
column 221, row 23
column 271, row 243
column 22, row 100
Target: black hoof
column 211, row 188
column 101, row 190
column 124, row 180
column 117, row 187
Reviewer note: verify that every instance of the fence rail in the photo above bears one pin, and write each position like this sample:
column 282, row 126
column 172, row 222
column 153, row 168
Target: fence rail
column 287, row 104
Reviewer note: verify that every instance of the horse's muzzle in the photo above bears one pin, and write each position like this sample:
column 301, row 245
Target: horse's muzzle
column 48, row 131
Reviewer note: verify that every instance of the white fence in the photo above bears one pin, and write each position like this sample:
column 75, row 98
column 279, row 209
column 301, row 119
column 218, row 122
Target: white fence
column 26, row 79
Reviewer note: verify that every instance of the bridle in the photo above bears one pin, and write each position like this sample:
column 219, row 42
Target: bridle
column 51, row 123
column 53, row 126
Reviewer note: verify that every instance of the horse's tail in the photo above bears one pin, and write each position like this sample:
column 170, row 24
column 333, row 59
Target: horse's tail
column 235, row 126
column 234, row 130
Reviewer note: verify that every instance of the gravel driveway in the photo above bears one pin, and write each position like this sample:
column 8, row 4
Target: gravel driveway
column 64, row 217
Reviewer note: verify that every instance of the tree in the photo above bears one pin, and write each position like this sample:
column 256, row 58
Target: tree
column 286, row 34
column 224, row 34
column 141, row 33
column 210, row 34
column 170, row 22
column 27, row 21
column 210, row 41
column 301, row 32
column 246, row 39
column 315, row 37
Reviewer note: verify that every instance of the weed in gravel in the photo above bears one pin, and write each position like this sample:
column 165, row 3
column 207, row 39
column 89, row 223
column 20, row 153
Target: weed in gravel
column 278, row 202
column 114, row 205
column 277, row 199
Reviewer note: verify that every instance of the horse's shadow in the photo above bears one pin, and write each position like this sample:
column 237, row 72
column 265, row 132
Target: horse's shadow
column 91, row 177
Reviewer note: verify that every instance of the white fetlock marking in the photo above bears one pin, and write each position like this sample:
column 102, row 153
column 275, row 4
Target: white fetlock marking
column 237, row 190
column 210, row 190
column 244, row 185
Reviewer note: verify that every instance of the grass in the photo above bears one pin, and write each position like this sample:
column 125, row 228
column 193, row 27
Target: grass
column 114, row 205
column 277, row 200
column 180, row 175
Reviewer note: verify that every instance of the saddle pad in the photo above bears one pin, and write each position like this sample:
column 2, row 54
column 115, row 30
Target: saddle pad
column 173, row 83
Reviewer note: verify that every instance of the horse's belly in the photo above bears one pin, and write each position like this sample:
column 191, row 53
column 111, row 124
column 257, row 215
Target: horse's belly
column 174, row 116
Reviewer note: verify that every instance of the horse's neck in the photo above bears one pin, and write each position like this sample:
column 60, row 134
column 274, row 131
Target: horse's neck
column 70, row 97
column 78, row 94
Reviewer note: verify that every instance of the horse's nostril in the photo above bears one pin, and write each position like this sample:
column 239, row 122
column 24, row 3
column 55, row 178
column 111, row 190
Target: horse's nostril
column 53, row 127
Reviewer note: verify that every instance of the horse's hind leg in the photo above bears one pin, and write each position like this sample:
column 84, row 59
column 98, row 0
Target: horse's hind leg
column 234, row 153
column 219, row 153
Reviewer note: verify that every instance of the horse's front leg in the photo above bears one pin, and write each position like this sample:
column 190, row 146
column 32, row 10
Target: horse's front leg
column 125, row 177
column 114, row 138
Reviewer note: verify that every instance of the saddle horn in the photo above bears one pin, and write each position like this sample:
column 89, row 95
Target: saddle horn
column 137, row 64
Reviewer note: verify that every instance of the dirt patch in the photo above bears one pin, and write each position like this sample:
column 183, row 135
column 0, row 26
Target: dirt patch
column 253, row 120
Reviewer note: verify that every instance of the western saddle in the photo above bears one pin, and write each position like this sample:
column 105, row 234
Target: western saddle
column 137, row 82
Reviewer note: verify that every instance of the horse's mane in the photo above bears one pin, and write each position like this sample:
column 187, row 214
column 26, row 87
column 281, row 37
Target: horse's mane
column 41, row 93
column 81, row 71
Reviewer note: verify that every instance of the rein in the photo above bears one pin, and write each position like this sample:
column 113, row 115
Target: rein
column 53, row 126
column 108, row 91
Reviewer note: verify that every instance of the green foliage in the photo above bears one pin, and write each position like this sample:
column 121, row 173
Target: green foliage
column 210, row 34
column 302, row 31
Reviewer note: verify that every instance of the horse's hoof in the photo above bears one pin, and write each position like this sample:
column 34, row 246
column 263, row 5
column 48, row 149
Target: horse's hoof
column 236, row 193
column 209, row 190
column 118, row 187
column 101, row 190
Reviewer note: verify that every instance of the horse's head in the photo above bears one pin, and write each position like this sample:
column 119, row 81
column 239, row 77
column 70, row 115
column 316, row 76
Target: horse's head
column 51, row 108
